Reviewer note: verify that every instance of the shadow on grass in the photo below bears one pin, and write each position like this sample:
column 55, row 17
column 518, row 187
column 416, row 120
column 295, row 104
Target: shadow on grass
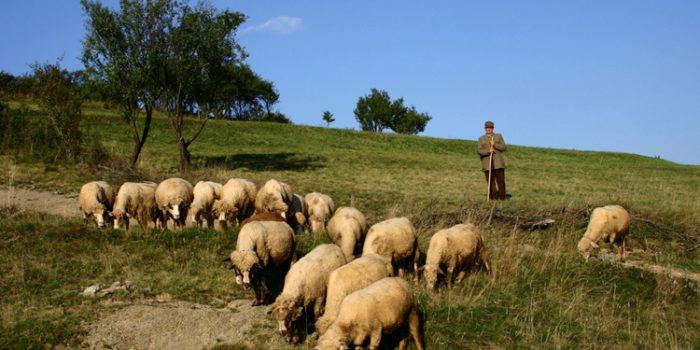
column 265, row 161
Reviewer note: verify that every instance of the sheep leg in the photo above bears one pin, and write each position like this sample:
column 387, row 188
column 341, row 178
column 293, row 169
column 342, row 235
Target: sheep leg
column 460, row 276
column 448, row 275
column 416, row 260
column 85, row 219
column 622, row 250
column 318, row 307
column 414, row 329
column 375, row 338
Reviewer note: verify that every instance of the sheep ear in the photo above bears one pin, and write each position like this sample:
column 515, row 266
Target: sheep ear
column 421, row 268
column 594, row 245
column 231, row 267
column 441, row 271
column 128, row 215
column 271, row 309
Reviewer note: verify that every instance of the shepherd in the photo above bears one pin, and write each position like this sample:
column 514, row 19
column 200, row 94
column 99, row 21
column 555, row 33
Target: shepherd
column 490, row 148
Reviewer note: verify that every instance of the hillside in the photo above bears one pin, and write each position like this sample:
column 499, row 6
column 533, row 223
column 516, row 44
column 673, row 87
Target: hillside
column 541, row 295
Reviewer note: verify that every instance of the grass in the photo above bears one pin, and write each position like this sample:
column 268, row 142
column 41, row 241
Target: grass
column 541, row 296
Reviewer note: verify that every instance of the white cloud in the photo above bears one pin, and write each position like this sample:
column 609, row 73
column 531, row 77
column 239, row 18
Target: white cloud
column 279, row 24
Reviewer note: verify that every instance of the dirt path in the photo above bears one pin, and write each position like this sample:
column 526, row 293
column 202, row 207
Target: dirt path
column 183, row 325
column 41, row 201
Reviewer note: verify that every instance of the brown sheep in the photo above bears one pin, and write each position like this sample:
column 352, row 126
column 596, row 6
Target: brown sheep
column 347, row 229
column 321, row 208
column 264, row 252
column 205, row 193
column 136, row 200
column 274, row 196
column 454, row 250
column 236, row 202
column 174, row 196
column 348, row 278
column 95, row 200
column 610, row 224
column 396, row 240
column 385, row 307
column 305, row 287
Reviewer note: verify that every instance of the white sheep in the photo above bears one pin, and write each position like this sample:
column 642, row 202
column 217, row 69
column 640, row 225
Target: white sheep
column 236, row 202
column 264, row 252
column 454, row 250
column 347, row 229
column 205, row 193
column 385, row 307
column 297, row 212
column 136, row 200
column 610, row 224
column 396, row 240
column 305, row 287
column 274, row 196
column 348, row 278
column 321, row 208
column 95, row 200
column 174, row 196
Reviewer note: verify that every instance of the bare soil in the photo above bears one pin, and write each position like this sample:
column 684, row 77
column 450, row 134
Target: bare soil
column 54, row 203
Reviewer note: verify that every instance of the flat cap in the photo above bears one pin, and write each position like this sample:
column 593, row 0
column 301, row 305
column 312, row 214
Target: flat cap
column 488, row 124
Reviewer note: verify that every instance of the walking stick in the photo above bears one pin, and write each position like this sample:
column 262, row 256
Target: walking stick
column 488, row 188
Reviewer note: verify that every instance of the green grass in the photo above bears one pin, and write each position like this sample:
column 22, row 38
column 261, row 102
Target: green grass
column 541, row 296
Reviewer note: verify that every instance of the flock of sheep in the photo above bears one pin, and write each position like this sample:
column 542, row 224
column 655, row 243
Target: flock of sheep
column 346, row 291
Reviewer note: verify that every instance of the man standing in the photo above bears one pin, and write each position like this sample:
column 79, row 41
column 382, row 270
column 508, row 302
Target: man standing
column 488, row 145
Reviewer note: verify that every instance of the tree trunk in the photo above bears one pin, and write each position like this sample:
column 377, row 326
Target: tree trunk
column 141, row 139
column 184, row 156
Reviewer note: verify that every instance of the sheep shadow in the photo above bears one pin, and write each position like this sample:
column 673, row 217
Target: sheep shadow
column 264, row 161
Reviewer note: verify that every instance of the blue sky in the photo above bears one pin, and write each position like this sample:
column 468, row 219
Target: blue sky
column 590, row 75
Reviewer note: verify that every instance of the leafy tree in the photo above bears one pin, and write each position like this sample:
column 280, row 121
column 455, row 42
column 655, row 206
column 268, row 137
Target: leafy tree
column 328, row 118
column 410, row 121
column 375, row 112
column 201, row 48
column 8, row 83
column 58, row 94
column 125, row 51
column 249, row 96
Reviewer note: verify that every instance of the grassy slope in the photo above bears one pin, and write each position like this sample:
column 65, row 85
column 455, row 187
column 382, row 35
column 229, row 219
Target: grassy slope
column 539, row 296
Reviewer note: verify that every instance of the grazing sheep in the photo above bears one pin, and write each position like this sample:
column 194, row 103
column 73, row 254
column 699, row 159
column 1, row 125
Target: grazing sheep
column 346, row 279
column 610, row 224
column 396, row 240
column 320, row 207
column 263, row 217
column 385, row 307
column 297, row 213
column 236, row 202
column 205, row 193
column 453, row 250
column 96, row 199
column 174, row 196
column 274, row 196
column 304, row 286
column 264, row 252
column 137, row 200
column 347, row 229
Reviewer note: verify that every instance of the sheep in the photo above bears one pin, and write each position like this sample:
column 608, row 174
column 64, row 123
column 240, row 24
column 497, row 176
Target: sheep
column 95, row 200
column 320, row 207
column 274, row 196
column 610, row 224
column 347, row 229
column 205, row 193
column 305, row 285
column 385, row 307
column 396, row 240
column 297, row 212
column 174, row 196
column 236, row 202
column 264, row 252
column 263, row 217
column 137, row 200
column 346, row 279
column 455, row 249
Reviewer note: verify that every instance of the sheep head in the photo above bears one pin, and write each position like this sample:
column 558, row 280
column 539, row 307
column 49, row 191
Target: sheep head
column 286, row 311
column 120, row 218
column 333, row 339
column 431, row 273
column 585, row 247
column 194, row 216
column 224, row 211
column 100, row 214
column 245, row 264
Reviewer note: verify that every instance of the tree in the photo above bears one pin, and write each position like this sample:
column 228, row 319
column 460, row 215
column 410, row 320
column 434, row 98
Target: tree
column 8, row 83
column 201, row 48
column 58, row 94
column 328, row 118
column 410, row 122
column 375, row 111
column 125, row 52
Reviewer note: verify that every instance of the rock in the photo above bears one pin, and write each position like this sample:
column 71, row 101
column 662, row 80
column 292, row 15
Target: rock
column 91, row 291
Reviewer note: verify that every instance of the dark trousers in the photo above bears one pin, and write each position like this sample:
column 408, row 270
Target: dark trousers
column 498, row 178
